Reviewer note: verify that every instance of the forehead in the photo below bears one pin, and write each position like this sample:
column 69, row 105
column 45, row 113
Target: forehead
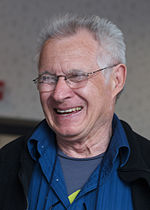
column 75, row 49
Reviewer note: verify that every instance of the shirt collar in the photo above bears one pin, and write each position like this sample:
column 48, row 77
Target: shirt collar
column 119, row 141
column 41, row 140
column 118, row 145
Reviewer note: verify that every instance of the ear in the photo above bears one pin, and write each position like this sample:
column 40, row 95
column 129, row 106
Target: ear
column 119, row 75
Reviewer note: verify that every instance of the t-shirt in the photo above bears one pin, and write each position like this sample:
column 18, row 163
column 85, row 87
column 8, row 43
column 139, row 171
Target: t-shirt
column 76, row 171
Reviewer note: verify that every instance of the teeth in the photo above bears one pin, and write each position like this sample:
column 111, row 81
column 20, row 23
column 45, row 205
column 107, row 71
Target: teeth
column 68, row 110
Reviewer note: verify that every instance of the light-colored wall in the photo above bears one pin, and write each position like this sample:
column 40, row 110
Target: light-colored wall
column 20, row 24
column 6, row 138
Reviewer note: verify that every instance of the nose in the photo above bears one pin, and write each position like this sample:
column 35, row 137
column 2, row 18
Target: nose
column 62, row 91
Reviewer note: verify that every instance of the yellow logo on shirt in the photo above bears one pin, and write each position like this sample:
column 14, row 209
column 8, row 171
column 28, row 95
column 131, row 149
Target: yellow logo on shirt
column 73, row 196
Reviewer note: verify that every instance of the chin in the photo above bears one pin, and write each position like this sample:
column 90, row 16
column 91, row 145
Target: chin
column 67, row 133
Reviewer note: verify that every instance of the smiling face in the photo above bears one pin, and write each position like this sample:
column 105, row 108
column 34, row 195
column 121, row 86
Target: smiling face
column 75, row 114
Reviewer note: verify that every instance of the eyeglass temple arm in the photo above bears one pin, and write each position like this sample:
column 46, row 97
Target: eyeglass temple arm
column 90, row 73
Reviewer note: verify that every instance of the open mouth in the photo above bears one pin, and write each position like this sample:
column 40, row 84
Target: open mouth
column 68, row 111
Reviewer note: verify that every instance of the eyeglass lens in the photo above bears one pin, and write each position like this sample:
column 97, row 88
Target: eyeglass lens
column 72, row 83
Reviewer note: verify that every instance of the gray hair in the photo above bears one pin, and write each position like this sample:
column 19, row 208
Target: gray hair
column 108, row 35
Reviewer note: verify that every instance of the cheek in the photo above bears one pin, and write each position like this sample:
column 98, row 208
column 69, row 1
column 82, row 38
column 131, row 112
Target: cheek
column 44, row 98
column 95, row 90
column 46, row 106
column 100, row 93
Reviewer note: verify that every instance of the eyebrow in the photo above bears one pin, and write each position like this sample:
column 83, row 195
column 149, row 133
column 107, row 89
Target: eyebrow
column 71, row 71
column 46, row 72
column 75, row 71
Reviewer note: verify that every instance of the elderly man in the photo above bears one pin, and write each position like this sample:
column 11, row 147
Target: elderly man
column 81, row 156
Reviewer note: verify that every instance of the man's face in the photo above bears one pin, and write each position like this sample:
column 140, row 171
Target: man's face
column 75, row 114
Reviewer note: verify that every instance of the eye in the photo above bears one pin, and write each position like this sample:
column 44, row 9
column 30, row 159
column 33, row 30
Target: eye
column 77, row 77
column 47, row 78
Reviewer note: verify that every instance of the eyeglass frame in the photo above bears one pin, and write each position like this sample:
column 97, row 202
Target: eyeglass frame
column 87, row 74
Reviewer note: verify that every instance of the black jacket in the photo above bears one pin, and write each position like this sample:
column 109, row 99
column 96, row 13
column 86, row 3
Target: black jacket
column 16, row 168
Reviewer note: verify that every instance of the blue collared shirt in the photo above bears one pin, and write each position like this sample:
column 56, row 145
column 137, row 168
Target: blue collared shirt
column 104, row 189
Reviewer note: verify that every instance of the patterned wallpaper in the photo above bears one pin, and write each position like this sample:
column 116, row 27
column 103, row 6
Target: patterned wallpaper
column 20, row 24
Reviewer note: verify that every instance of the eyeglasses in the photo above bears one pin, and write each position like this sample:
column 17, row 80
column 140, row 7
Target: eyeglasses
column 76, row 79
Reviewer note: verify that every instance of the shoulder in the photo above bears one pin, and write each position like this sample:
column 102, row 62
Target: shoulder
column 13, row 149
column 11, row 156
column 134, row 136
column 139, row 145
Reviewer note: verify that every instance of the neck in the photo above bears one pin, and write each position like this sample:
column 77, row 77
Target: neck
column 90, row 146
